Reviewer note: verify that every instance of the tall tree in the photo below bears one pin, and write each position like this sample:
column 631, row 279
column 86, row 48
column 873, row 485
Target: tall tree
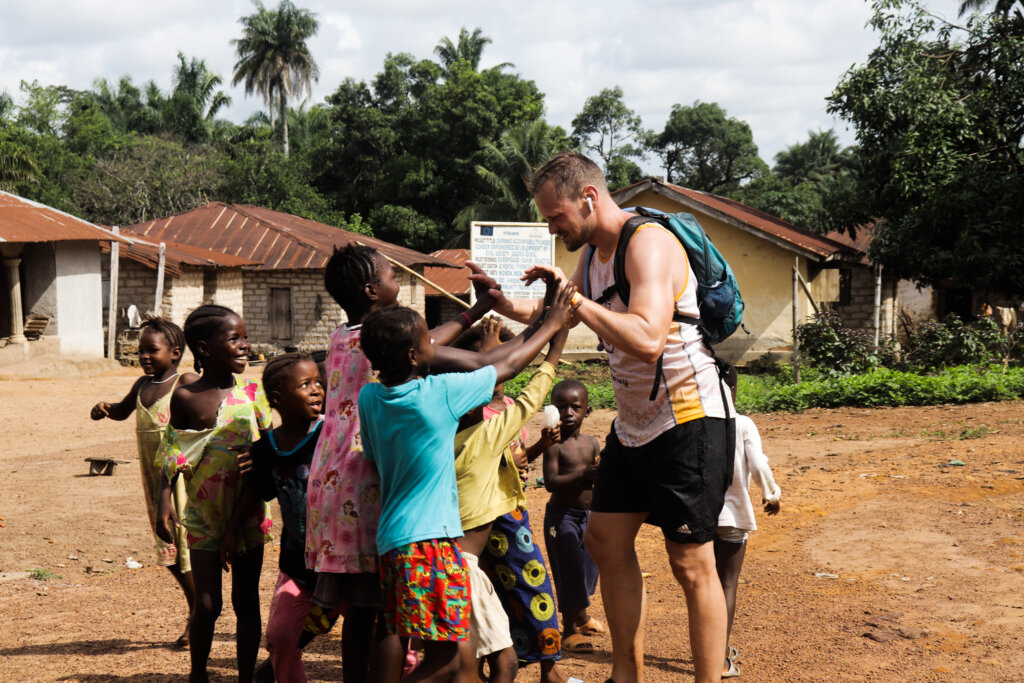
column 507, row 163
column 274, row 58
column 468, row 49
column 192, row 107
column 703, row 149
column 939, row 115
column 609, row 128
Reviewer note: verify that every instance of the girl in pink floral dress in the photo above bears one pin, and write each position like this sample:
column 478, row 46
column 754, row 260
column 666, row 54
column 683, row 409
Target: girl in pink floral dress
column 343, row 494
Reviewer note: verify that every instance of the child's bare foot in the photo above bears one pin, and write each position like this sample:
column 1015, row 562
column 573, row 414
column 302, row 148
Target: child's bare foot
column 183, row 640
column 550, row 672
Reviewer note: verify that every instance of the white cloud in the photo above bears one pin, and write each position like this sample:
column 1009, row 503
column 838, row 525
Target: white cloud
column 768, row 62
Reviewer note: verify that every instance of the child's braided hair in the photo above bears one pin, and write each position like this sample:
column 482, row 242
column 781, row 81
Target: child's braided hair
column 203, row 323
column 388, row 334
column 171, row 332
column 277, row 368
column 348, row 271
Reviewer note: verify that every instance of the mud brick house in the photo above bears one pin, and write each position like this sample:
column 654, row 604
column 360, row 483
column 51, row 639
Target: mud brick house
column 52, row 298
column 265, row 264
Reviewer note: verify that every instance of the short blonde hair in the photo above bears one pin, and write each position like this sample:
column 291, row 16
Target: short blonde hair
column 569, row 172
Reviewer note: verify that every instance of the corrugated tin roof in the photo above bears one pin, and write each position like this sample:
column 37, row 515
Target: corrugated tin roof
column 860, row 243
column 732, row 211
column 456, row 281
column 275, row 240
column 143, row 250
column 23, row 220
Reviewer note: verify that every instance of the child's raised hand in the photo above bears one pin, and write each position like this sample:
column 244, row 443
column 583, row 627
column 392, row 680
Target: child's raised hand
column 771, row 507
column 100, row 411
column 244, row 459
column 562, row 306
column 549, row 436
column 491, row 327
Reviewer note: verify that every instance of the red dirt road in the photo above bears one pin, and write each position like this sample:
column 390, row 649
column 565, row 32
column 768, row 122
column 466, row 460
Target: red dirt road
column 928, row 557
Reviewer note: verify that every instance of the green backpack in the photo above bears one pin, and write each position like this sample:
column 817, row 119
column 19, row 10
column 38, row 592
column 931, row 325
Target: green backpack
column 718, row 293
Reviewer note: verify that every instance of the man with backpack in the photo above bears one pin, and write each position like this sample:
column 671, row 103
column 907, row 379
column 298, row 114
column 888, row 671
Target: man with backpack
column 668, row 459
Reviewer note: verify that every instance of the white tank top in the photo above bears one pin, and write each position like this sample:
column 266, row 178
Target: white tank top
column 690, row 386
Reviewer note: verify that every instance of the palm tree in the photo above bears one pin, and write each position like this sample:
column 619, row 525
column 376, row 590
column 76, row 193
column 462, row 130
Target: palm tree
column 507, row 165
column 273, row 57
column 469, row 49
column 194, row 100
column 1002, row 7
column 818, row 158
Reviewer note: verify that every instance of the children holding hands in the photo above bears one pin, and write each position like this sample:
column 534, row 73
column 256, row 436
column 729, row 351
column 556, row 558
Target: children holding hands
column 408, row 422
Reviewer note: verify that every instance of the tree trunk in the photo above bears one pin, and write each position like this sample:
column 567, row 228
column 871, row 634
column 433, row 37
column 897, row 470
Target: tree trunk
column 284, row 123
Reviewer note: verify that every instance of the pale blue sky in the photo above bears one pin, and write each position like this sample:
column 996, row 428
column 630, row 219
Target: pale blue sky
column 768, row 62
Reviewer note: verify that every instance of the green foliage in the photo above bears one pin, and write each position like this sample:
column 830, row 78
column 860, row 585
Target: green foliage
column 147, row 177
column 937, row 110
column 403, row 225
column 40, row 574
column 274, row 58
column 594, row 376
column 612, row 130
column 951, row 342
column 883, row 387
column 703, row 149
column 834, row 349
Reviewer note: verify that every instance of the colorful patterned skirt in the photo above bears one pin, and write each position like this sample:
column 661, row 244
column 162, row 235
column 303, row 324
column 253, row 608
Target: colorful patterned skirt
column 516, row 568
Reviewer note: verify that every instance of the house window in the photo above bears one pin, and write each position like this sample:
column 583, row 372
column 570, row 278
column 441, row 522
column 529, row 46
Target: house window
column 281, row 312
column 845, row 286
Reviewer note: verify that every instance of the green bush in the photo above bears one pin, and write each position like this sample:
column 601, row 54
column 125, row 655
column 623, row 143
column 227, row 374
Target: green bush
column 883, row 387
column 834, row 349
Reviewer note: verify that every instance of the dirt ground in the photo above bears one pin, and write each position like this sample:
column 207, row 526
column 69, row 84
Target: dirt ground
column 898, row 554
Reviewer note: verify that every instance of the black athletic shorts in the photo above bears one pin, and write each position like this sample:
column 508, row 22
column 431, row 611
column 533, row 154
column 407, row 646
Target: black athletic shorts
column 680, row 478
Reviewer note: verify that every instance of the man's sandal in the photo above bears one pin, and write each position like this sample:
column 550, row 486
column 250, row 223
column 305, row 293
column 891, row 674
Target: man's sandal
column 733, row 671
column 592, row 627
column 577, row 644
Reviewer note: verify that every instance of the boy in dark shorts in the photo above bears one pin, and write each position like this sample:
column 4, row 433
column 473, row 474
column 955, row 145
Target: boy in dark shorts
column 569, row 470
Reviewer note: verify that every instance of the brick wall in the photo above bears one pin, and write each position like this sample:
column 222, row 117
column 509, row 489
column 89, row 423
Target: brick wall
column 315, row 315
column 860, row 313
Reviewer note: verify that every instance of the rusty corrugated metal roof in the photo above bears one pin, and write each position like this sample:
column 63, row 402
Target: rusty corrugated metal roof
column 860, row 243
column 23, row 220
column 143, row 250
column 734, row 212
column 454, row 280
column 276, row 240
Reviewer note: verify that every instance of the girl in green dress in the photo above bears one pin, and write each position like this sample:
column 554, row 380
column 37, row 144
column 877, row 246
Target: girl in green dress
column 160, row 347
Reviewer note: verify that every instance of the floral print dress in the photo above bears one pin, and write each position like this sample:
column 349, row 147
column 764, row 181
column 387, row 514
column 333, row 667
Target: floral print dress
column 343, row 495
column 150, row 427
column 209, row 464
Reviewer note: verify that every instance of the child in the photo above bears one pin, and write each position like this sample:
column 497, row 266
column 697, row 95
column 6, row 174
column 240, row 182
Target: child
column 161, row 344
column 569, row 469
column 511, row 551
column 408, row 425
column 489, row 486
column 737, row 516
column 212, row 419
column 343, row 504
column 280, row 469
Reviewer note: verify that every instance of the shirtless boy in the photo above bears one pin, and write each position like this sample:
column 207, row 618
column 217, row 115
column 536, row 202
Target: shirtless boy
column 569, row 471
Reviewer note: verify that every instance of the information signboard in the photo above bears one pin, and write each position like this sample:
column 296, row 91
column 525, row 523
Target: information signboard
column 505, row 250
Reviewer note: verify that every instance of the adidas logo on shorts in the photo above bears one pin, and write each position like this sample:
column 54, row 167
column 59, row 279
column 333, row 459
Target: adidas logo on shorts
column 684, row 529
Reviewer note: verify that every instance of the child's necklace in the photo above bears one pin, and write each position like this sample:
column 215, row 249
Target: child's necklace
column 153, row 381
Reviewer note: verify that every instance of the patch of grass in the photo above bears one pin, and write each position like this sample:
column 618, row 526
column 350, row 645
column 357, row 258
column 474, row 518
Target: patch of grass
column 40, row 574
column 963, row 434
column 595, row 375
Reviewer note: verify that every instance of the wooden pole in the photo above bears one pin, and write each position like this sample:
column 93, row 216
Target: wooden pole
column 796, row 320
column 115, row 262
column 161, row 261
column 878, row 302
column 807, row 291
column 417, row 275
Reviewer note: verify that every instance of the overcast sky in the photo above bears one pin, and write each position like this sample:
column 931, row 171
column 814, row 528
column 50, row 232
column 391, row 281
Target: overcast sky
column 770, row 63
